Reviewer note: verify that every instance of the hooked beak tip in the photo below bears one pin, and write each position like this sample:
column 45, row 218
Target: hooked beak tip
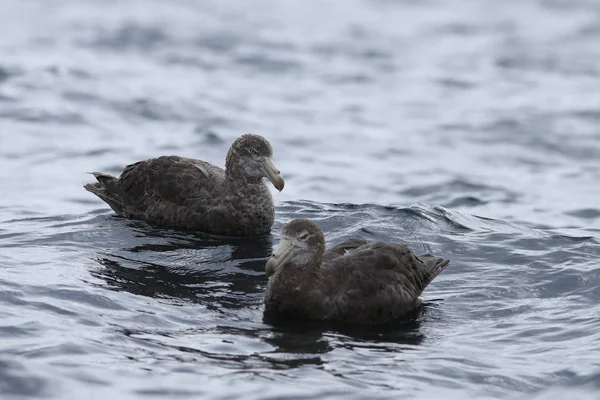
column 273, row 174
column 280, row 184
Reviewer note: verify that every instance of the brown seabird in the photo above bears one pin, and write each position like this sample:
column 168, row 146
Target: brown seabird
column 178, row 192
column 354, row 281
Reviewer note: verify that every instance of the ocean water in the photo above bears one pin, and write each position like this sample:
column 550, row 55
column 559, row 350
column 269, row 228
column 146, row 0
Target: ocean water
column 467, row 128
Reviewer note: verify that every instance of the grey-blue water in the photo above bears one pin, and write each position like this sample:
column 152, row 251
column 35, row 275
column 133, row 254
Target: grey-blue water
column 468, row 128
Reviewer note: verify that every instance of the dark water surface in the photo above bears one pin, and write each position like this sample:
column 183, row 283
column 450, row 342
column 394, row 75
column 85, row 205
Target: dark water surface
column 468, row 128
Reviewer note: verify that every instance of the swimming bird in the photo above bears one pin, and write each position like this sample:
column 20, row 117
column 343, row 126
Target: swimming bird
column 185, row 193
column 355, row 281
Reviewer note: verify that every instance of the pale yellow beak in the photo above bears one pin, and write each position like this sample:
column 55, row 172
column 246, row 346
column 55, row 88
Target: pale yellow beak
column 282, row 254
column 272, row 173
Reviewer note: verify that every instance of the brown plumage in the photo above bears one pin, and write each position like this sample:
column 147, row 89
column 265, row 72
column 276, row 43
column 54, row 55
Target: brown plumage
column 178, row 192
column 355, row 281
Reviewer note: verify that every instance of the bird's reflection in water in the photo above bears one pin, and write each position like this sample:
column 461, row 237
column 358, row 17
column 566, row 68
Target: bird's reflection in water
column 217, row 271
column 295, row 336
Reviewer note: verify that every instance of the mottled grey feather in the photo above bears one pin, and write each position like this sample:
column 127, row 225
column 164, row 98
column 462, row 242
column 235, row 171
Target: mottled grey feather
column 179, row 192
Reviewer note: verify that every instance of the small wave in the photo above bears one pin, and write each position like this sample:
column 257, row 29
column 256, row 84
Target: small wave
column 582, row 387
column 130, row 35
column 16, row 379
column 585, row 213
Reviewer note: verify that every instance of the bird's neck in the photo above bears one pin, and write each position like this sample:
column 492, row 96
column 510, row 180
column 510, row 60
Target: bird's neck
column 299, row 277
column 237, row 170
column 237, row 179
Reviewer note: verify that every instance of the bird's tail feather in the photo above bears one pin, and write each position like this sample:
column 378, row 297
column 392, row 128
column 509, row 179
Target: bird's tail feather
column 102, row 190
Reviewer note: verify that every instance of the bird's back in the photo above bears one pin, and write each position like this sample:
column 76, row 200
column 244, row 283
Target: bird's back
column 169, row 179
column 374, row 282
column 168, row 190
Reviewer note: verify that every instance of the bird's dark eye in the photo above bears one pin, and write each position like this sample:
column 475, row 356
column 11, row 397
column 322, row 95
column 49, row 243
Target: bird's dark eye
column 304, row 236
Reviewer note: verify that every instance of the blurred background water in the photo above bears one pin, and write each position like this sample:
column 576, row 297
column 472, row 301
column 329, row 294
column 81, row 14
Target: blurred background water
column 468, row 128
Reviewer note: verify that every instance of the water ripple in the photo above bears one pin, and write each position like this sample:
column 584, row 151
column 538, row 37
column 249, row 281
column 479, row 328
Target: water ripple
column 468, row 133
